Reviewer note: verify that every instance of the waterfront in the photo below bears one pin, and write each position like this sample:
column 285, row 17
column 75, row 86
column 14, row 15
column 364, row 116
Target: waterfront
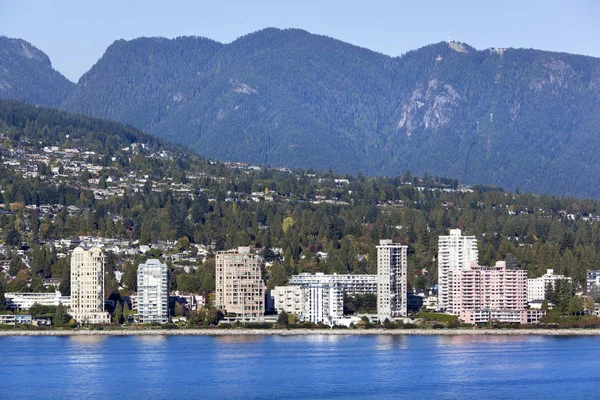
column 301, row 332
column 311, row 366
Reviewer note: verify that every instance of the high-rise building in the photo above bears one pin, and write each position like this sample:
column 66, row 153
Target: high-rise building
column 239, row 287
column 87, row 286
column 455, row 252
column 391, row 280
column 536, row 287
column 153, row 292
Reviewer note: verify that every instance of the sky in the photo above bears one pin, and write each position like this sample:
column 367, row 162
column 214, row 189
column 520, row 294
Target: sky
column 75, row 34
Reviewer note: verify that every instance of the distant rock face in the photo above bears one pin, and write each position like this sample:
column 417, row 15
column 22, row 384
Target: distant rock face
column 26, row 74
column 430, row 108
column 513, row 118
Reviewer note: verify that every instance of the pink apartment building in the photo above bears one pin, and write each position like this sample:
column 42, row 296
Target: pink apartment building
column 481, row 294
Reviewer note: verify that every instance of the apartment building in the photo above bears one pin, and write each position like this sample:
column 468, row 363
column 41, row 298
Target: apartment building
column 593, row 283
column 323, row 302
column 391, row 280
column 153, row 292
column 87, row 286
column 289, row 299
column 493, row 291
column 315, row 298
column 455, row 252
column 24, row 301
column 350, row 284
column 536, row 287
column 239, row 287
column 505, row 316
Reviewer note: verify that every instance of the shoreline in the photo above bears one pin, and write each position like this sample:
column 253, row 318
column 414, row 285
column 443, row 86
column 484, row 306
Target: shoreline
column 308, row 332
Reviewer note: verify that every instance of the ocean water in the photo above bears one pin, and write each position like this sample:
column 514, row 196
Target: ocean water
column 300, row 367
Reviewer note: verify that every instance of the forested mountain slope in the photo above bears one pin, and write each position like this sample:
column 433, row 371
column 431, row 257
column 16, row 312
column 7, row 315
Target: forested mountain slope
column 26, row 74
column 516, row 118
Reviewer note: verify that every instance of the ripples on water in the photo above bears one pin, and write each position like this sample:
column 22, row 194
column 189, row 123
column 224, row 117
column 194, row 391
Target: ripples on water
column 415, row 367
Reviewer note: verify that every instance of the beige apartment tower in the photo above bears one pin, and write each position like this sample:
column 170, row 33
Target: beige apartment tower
column 391, row 280
column 87, row 286
column 239, row 286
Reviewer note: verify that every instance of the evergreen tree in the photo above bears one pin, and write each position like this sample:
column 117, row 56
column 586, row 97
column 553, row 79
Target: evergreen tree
column 283, row 320
column 118, row 314
column 60, row 315
column 3, row 303
column 126, row 312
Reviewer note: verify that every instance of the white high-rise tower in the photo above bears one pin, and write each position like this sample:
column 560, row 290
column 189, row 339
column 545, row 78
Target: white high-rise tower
column 153, row 292
column 455, row 253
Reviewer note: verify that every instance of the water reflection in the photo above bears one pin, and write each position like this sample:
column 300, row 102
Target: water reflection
column 84, row 363
column 79, row 340
column 151, row 340
column 390, row 343
column 240, row 338
column 462, row 340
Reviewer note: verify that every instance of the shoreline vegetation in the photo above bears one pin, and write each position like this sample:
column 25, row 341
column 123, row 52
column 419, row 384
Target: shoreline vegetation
column 306, row 332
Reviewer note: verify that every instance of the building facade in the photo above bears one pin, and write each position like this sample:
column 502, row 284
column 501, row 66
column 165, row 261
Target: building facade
column 317, row 298
column 593, row 283
column 24, row 301
column 323, row 302
column 87, row 286
column 289, row 299
column 351, row 284
column 505, row 316
column 391, row 280
column 498, row 292
column 455, row 252
column 153, row 292
column 239, row 288
column 536, row 287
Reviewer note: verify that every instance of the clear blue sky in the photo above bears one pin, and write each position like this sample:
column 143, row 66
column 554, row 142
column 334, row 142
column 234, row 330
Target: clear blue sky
column 75, row 34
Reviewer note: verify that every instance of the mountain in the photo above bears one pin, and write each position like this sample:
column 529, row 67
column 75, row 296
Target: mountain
column 516, row 118
column 26, row 74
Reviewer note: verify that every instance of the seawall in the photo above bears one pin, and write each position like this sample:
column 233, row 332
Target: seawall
column 307, row 332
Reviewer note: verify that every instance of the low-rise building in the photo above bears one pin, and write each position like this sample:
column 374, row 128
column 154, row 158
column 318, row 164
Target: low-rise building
column 323, row 302
column 319, row 297
column 593, row 282
column 288, row 298
column 475, row 317
column 536, row 287
column 350, row 284
column 24, row 301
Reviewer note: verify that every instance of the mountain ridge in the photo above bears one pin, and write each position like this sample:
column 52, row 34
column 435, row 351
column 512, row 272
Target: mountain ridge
column 511, row 117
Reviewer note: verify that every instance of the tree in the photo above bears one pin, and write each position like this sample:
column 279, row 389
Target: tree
column 126, row 312
column 3, row 303
column 277, row 275
column 118, row 315
column 38, row 309
column 13, row 238
column 60, row 315
column 288, row 222
column 283, row 319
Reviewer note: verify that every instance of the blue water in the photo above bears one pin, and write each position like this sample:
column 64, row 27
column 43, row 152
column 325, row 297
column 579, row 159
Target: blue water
column 272, row 367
